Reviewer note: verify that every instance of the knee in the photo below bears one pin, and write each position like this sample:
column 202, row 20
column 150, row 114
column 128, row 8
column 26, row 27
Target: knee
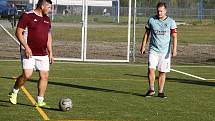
column 26, row 77
column 151, row 71
column 26, row 74
column 162, row 74
column 44, row 77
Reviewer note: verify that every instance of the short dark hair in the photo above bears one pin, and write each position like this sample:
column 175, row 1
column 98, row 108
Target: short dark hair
column 161, row 4
column 41, row 2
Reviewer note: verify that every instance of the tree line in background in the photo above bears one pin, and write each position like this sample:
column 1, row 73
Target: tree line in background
column 208, row 4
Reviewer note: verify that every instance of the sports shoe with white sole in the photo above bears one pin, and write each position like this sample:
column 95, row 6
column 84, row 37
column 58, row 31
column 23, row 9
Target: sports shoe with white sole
column 150, row 93
column 13, row 98
column 42, row 104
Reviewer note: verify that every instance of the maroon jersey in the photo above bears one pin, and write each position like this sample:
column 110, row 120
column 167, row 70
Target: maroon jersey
column 36, row 31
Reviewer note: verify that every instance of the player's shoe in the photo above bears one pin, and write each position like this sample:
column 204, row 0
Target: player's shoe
column 161, row 95
column 13, row 98
column 41, row 104
column 150, row 93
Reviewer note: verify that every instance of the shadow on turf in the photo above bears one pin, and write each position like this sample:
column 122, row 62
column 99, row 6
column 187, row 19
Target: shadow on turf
column 2, row 105
column 188, row 81
column 4, row 77
column 89, row 88
column 93, row 88
column 54, row 109
column 12, row 104
column 84, row 87
column 197, row 82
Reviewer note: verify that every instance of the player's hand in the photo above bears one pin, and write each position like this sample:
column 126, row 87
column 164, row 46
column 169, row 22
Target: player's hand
column 28, row 52
column 51, row 59
column 142, row 50
column 174, row 54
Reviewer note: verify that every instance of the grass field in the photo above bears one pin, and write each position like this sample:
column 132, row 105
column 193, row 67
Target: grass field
column 112, row 92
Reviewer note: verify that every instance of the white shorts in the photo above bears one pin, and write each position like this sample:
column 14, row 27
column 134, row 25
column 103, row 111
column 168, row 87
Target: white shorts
column 40, row 63
column 160, row 61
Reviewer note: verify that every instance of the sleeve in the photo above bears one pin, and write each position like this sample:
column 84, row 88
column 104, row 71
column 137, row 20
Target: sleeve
column 23, row 21
column 147, row 26
column 173, row 25
column 50, row 26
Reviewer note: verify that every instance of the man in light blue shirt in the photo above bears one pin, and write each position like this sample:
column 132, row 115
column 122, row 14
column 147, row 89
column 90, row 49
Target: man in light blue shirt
column 162, row 30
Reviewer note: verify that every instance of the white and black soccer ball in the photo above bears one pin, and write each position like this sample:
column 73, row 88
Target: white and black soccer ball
column 65, row 104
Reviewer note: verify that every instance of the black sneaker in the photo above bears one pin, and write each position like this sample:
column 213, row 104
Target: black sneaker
column 150, row 93
column 161, row 95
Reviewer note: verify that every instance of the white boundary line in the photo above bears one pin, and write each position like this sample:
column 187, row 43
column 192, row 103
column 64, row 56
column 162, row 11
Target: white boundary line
column 193, row 66
column 117, row 64
column 197, row 77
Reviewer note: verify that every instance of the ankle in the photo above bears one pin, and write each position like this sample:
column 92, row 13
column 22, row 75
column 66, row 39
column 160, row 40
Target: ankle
column 40, row 98
column 15, row 90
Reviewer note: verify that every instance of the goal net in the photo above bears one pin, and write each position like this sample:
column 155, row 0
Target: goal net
column 91, row 30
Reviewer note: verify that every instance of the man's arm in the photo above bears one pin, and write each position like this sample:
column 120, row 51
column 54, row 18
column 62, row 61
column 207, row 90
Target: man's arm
column 49, row 47
column 23, row 42
column 174, row 49
column 145, row 40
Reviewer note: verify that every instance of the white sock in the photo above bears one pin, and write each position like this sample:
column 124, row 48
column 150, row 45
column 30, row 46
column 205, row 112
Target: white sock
column 40, row 98
column 15, row 90
column 160, row 91
column 152, row 87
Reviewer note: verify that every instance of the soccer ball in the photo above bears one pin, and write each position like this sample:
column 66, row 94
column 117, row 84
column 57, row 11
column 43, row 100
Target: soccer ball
column 65, row 104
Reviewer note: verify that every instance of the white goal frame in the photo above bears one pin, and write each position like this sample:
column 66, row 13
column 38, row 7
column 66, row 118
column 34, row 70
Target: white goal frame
column 84, row 37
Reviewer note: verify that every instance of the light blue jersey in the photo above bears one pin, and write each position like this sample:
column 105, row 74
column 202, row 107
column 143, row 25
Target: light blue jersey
column 160, row 30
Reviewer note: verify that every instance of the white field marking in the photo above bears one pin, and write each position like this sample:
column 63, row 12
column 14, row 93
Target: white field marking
column 86, row 63
column 128, row 64
column 108, row 64
column 117, row 64
column 197, row 77
column 192, row 66
column 131, row 64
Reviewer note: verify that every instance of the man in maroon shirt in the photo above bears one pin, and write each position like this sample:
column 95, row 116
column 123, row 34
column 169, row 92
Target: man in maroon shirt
column 33, row 32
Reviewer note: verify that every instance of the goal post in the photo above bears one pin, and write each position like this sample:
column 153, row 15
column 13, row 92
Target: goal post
column 82, row 32
column 107, row 40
